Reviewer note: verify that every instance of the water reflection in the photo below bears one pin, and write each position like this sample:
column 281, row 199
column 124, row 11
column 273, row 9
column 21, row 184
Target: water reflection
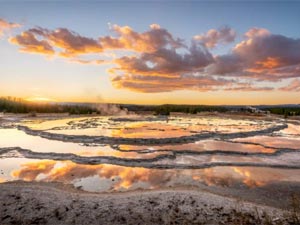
column 147, row 127
column 272, row 141
column 256, row 151
column 121, row 178
column 248, row 177
column 117, row 178
column 150, row 130
column 16, row 138
column 205, row 145
column 292, row 130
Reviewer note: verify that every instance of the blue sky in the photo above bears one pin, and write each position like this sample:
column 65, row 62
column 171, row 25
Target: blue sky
column 187, row 17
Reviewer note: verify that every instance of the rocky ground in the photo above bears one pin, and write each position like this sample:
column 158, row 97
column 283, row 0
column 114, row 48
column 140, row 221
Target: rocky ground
column 52, row 203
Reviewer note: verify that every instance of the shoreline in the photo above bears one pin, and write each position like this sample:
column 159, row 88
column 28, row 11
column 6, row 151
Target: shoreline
column 56, row 203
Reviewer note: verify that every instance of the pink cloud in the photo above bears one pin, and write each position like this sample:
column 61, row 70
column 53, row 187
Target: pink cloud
column 293, row 86
column 213, row 37
column 165, row 62
column 149, row 41
column 261, row 56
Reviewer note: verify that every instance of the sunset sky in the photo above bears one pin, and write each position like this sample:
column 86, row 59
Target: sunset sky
column 189, row 52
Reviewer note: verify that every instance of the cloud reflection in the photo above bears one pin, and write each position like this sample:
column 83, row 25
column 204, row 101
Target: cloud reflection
column 127, row 178
column 68, row 171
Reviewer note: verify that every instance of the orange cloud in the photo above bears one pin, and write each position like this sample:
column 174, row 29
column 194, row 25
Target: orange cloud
column 6, row 26
column 269, row 63
column 266, row 65
column 154, row 84
column 69, row 44
column 30, row 44
column 43, row 41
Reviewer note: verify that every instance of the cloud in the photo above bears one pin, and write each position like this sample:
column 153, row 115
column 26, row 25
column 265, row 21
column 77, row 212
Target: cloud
column 71, row 43
column 225, row 65
column 66, row 43
column 293, row 86
column 29, row 43
column 148, row 84
column 246, row 87
column 6, row 26
column 44, row 41
column 164, row 70
column 149, row 41
column 165, row 62
column 156, row 61
column 263, row 50
column 261, row 56
column 86, row 62
column 213, row 37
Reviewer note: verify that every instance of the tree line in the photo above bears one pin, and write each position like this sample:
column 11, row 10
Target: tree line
column 17, row 105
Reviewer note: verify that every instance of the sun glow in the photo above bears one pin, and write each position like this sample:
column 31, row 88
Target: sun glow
column 40, row 99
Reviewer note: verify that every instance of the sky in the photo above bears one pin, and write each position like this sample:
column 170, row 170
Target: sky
column 151, row 52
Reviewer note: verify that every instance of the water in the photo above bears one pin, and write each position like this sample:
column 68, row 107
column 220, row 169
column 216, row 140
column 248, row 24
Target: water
column 120, row 154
